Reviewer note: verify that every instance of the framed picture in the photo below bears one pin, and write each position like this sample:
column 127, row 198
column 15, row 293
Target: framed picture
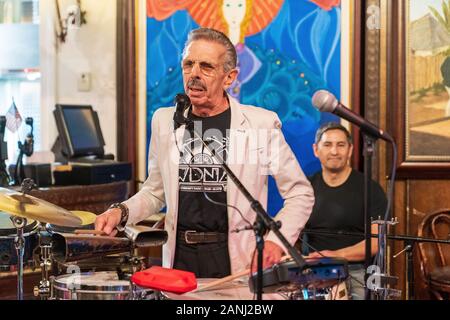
column 419, row 85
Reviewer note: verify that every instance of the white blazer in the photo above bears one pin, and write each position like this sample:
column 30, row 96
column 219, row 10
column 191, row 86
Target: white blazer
column 257, row 148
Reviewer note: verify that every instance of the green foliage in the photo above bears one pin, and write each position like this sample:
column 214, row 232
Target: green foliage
column 443, row 19
column 438, row 88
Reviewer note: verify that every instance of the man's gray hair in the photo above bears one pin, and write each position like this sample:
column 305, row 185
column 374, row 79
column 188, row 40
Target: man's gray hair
column 217, row 37
column 332, row 126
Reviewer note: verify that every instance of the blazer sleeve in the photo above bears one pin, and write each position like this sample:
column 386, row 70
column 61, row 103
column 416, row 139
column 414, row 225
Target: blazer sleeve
column 294, row 187
column 150, row 199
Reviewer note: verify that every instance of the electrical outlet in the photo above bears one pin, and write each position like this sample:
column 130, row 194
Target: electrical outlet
column 84, row 81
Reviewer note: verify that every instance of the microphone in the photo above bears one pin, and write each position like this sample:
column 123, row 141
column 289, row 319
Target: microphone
column 182, row 102
column 325, row 101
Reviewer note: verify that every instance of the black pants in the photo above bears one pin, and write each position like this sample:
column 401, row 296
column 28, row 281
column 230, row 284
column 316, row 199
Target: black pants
column 205, row 260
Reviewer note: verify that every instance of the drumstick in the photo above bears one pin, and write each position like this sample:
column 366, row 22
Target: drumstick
column 222, row 280
column 231, row 277
column 94, row 232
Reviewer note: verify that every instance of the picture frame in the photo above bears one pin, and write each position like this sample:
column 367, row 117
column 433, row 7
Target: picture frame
column 417, row 100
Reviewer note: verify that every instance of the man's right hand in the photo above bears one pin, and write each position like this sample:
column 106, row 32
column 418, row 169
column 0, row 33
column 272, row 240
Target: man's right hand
column 108, row 221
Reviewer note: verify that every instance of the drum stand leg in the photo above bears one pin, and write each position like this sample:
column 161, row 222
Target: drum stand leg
column 137, row 264
column 19, row 242
column 43, row 290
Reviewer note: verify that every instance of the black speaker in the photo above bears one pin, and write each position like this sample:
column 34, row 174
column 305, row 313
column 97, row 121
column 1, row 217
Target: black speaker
column 100, row 172
column 41, row 173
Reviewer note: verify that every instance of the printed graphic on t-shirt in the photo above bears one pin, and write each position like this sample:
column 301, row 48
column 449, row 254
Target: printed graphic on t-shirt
column 204, row 172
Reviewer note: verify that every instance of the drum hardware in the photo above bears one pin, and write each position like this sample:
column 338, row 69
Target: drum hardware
column 143, row 236
column 68, row 247
column 19, row 243
column 84, row 245
column 381, row 287
column 22, row 206
column 43, row 290
column 102, row 285
column 136, row 292
column 8, row 234
column 54, row 247
column 137, row 264
column 90, row 286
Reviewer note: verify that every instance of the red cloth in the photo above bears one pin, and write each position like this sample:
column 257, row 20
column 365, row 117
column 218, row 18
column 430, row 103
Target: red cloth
column 164, row 279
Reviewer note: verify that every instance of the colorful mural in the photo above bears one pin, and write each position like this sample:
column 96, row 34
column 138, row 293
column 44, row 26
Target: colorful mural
column 287, row 50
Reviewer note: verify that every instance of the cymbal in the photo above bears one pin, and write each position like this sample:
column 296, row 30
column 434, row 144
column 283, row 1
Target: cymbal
column 87, row 218
column 29, row 207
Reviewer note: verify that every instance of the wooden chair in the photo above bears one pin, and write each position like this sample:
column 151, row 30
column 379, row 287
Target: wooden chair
column 435, row 257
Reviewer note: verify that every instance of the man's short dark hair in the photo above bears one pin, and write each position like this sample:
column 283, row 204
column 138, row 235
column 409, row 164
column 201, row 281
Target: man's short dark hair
column 217, row 37
column 332, row 126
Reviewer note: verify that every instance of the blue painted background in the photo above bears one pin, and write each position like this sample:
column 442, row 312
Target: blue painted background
column 300, row 54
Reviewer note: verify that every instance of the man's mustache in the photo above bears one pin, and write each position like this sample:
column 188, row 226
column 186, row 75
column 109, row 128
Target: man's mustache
column 196, row 83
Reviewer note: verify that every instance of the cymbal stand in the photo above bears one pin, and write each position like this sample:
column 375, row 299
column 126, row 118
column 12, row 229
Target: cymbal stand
column 137, row 264
column 19, row 243
column 381, row 286
column 43, row 290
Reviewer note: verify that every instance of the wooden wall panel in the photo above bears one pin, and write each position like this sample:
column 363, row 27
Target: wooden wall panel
column 414, row 200
column 426, row 197
column 397, row 266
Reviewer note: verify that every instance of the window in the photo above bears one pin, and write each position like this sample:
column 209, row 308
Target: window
column 19, row 67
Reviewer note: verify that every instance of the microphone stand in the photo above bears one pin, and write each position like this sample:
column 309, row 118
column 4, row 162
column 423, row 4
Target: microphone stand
column 263, row 222
column 369, row 149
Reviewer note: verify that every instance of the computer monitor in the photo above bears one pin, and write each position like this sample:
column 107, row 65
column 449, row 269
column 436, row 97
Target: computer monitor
column 79, row 131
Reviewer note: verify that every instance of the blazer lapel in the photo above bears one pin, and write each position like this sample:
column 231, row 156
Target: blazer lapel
column 238, row 144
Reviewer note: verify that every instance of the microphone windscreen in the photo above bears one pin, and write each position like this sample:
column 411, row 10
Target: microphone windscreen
column 324, row 101
column 182, row 99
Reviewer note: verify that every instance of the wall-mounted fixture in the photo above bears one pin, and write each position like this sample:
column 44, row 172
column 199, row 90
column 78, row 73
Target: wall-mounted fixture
column 74, row 19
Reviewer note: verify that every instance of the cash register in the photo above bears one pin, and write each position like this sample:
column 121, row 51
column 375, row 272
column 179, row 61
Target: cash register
column 80, row 149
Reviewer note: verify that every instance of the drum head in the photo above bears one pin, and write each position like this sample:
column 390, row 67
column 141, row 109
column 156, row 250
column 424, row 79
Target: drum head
column 95, row 281
column 7, row 227
column 97, row 286
column 87, row 223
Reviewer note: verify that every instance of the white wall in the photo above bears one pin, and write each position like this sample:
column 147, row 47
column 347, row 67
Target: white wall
column 142, row 90
column 92, row 49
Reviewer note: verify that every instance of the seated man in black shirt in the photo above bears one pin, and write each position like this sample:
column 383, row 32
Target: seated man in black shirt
column 339, row 204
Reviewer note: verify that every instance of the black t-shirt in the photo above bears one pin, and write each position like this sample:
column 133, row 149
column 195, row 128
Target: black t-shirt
column 195, row 212
column 341, row 209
